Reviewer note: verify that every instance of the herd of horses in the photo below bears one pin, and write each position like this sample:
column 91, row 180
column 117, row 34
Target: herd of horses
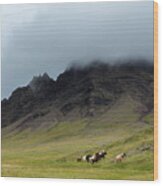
column 98, row 156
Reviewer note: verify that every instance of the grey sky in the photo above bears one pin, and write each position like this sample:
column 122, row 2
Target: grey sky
column 37, row 38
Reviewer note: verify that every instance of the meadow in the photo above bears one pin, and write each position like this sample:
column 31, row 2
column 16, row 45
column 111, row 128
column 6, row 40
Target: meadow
column 52, row 153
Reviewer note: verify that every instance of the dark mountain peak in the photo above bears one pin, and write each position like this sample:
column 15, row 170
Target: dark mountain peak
column 41, row 83
column 24, row 100
column 39, row 79
column 78, row 71
column 86, row 90
column 45, row 76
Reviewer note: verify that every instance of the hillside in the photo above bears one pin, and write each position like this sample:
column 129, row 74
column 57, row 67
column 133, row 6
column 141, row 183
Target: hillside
column 49, row 123
column 80, row 92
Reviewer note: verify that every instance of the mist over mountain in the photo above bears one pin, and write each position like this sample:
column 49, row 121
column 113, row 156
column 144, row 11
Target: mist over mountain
column 80, row 92
column 38, row 38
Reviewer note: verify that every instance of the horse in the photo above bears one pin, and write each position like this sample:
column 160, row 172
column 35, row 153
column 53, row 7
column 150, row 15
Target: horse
column 102, row 154
column 120, row 157
column 86, row 157
column 94, row 158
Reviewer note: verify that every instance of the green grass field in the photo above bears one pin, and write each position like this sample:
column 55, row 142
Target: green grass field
column 52, row 153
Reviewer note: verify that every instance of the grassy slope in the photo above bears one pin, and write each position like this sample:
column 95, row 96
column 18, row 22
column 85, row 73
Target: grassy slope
column 53, row 153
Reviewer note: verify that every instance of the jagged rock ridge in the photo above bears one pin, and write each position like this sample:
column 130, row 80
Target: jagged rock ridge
column 80, row 92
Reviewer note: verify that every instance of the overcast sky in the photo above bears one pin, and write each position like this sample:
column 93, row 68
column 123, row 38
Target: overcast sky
column 38, row 38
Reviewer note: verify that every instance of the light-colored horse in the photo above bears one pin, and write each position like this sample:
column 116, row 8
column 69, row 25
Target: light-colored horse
column 120, row 157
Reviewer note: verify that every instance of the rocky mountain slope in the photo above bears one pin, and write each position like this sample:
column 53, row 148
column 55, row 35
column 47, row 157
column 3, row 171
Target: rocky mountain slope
column 81, row 92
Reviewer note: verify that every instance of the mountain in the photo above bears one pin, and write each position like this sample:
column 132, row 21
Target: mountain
column 81, row 92
column 48, row 124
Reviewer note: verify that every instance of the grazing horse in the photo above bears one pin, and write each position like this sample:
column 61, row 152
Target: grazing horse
column 86, row 157
column 102, row 154
column 120, row 157
column 95, row 158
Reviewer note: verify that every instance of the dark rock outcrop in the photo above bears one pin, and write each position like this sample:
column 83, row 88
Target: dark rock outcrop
column 83, row 91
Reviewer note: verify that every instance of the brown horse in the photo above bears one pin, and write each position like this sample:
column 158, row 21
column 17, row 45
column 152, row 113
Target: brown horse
column 95, row 158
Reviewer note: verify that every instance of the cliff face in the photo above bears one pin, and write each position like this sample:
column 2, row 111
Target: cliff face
column 81, row 92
